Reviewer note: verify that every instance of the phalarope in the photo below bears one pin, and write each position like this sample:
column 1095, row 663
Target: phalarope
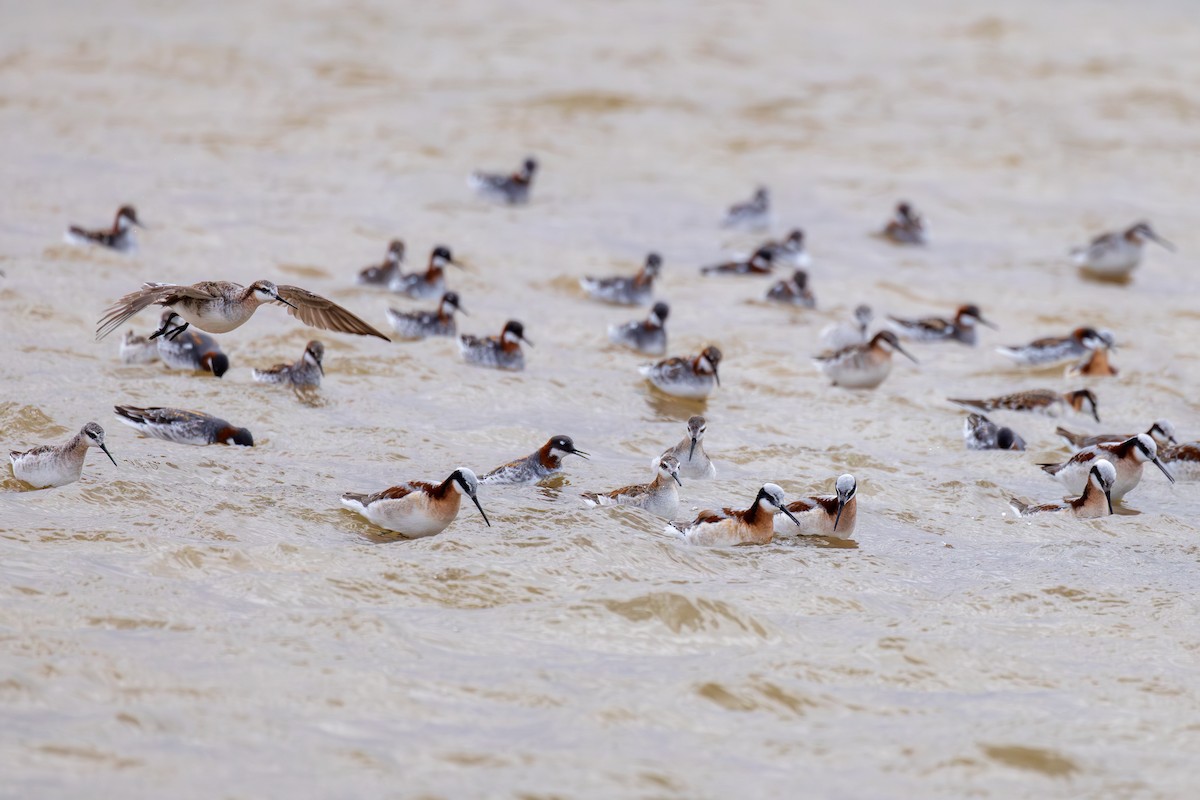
column 512, row 189
column 420, row 324
column 793, row 291
column 1129, row 457
column 1096, row 500
column 660, row 496
column 833, row 515
column 791, row 250
column 1162, row 432
column 222, row 306
column 761, row 263
column 624, row 291
column 1184, row 460
column 418, row 509
column 118, row 237
column 138, row 349
column 906, row 227
column 58, row 465
column 1113, row 256
column 537, row 466
column 1095, row 363
column 754, row 214
column 1052, row 350
column 694, row 462
column 862, row 366
column 189, row 350
column 1037, row 401
column 980, row 433
column 936, row 329
column 183, row 427
column 498, row 352
column 384, row 273
column 306, row 373
column 839, row 335
column 686, row 377
column 428, row 284
column 648, row 336
column 727, row 527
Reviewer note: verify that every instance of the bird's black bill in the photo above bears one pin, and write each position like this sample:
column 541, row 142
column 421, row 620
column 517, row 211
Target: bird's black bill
column 1108, row 497
column 838, row 517
column 579, row 453
column 1158, row 463
column 485, row 519
column 285, row 302
column 676, row 477
column 692, row 449
column 110, row 455
column 792, row 516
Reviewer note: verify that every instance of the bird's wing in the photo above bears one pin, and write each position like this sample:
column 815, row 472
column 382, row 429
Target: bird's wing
column 398, row 492
column 150, row 294
column 314, row 310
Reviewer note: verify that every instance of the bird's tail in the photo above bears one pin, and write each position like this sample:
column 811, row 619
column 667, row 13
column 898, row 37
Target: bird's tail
column 354, row 501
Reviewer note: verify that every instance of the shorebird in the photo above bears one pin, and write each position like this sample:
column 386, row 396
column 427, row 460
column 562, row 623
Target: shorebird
column 647, row 336
column 512, row 188
column 833, row 515
column 1052, row 350
column 420, row 324
column 58, row 465
column 189, row 350
column 1113, row 256
column 118, row 237
column 1036, row 401
column 727, row 527
column 761, row 263
column 980, row 433
column 498, row 352
column 694, row 463
column 625, row 291
column 1162, row 432
column 539, row 465
column 839, row 335
column 222, row 306
column 906, row 227
column 1096, row 500
column 1184, row 460
column 183, row 427
column 1095, row 364
column 862, row 366
column 418, row 509
column 692, row 377
column 382, row 274
column 791, row 250
column 793, row 291
column 1129, row 457
column 937, row 329
column 754, row 214
column 660, row 496
column 428, row 284
column 306, row 373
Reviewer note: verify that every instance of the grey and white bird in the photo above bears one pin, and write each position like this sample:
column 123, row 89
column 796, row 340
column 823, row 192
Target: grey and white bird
column 183, row 427
column 1113, row 256
column 58, row 465
column 497, row 352
column 547, row 460
column 938, row 329
column 862, row 366
column 636, row 290
column 383, row 273
column 428, row 284
column 422, row 324
column 512, row 188
column 753, row 214
column 694, row 463
column 660, row 496
column 305, row 373
column 647, row 336
column 692, row 377
column 1162, row 432
column 980, row 433
column 793, row 291
column 119, row 237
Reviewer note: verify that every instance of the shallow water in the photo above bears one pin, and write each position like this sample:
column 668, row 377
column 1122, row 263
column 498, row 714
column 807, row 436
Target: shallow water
column 209, row 621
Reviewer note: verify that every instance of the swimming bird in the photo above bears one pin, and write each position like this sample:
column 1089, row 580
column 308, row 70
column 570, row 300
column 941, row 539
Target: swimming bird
column 51, row 465
column 1162, row 432
column 1184, row 460
column 862, row 366
column 692, row 377
column 306, row 373
column 1037, row 401
column 761, row 263
column 383, row 273
column 791, row 250
column 727, row 527
column 183, row 427
column 660, row 496
column 428, row 284
column 936, row 329
column 1095, row 364
column 498, row 352
column 1113, row 256
column 1052, row 350
column 119, row 237
column 222, row 306
column 417, row 509
column 420, row 324
column 838, row 335
column 754, row 214
column 512, row 188
column 980, row 433
column 833, row 515
column 646, row 336
column 1096, row 500
column 793, row 291
column 1129, row 457
column 694, row 462
column 625, row 291
column 906, row 227
column 537, row 466
column 190, row 350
